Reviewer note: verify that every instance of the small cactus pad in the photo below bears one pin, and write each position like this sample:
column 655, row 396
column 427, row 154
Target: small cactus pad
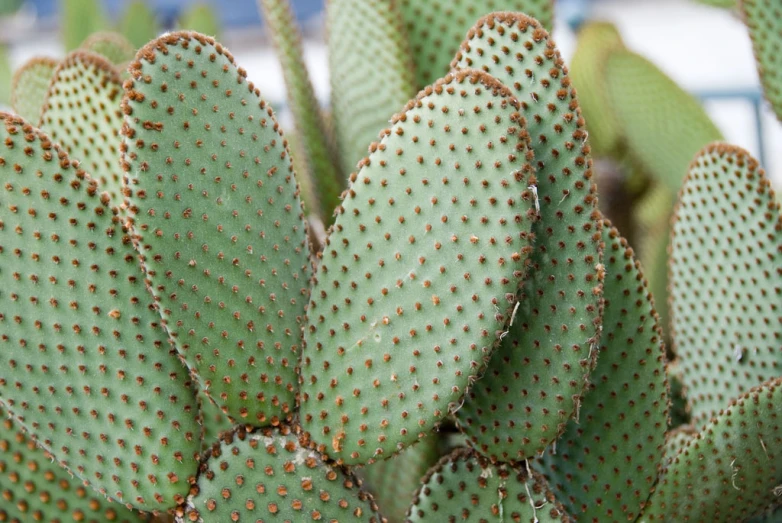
column 764, row 21
column 587, row 69
column 604, row 466
column 731, row 470
column 393, row 482
column 437, row 27
column 419, row 274
column 371, row 71
column 535, row 378
column 726, row 279
column 82, row 113
column 32, row 488
column 268, row 476
column 138, row 23
column 467, row 487
column 314, row 144
column 664, row 126
column 30, row 85
column 85, row 367
column 112, row 46
column 216, row 208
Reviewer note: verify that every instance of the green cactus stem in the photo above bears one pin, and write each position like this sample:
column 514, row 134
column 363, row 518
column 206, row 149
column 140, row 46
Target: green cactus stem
column 30, row 85
column 418, row 276
column 112, row 46
column 763, row 20
column 215, row 206
column 371, row 70
column 724, row 278
column 535, row 379
column 85, row 366
column 319, row 156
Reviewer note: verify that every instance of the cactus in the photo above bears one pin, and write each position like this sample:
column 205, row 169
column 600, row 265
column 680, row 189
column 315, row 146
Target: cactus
column 188, row 343
column 80, row 19
column 29, row 87
column 112, row 46
column 201, row 18
column 138, row 23
column 765, row 28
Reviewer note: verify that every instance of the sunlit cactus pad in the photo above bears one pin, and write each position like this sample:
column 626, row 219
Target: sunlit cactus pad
column 725, row 274
column 268, row 476
column 729, row 471
column 29, row 87
column 419, row 275
column 435, row 28
column 85, row 367
column 604, row 466
column 34, row 488
column 216, row 208
column 82, row 113
column 533, row 383
column 467, row 487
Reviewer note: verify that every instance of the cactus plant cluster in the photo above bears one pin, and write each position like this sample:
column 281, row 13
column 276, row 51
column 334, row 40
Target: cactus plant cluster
column 471, row 340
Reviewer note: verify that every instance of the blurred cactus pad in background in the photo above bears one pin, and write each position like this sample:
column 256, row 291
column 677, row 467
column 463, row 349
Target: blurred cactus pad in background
column 479, row 284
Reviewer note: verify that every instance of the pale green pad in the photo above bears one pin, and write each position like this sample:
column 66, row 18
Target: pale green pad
column 29, row 87
column 200, row 17
column 596, row 40
column 726, row 279
column 729, row 471
column 85, row 367
column 419, row 274
column 663, row 124
column 764, row 21
column 371, row 71
column 465, row 487
column 216, row 208
column 268, row 476
column 82, row 113
column 314, row 142
column 604, row 466
column 534, row 380
column 112, row 46
column 435, row 28
column 33, row 488
column 138, row 23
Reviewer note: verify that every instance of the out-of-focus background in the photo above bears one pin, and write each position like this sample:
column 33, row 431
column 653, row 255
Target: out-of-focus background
column 705, row 49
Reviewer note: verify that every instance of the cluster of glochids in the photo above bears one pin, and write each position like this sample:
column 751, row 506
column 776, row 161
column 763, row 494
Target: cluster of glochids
column 170, row 337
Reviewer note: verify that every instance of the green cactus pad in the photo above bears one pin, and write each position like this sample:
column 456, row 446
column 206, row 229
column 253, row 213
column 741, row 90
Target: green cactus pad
column 664, row 126
column 112, row 46
column 213, row 421
column 731, row 470
column 85, row 367
column 604, row 466
column 371, row 71
column 35, row 489
column 216, row 208
column 30, row 85
column 82, row 113
column 393, row 482
column 725, row 275
column 6, row 89
column 200, row 17
column 467, row 487
column 765, row 27
column 314, row 143
column 418, row 276
column 587, row 69
column 138, row 23
column 534, row 381
column 268, row 476
column 435, row 28
column 79, row 19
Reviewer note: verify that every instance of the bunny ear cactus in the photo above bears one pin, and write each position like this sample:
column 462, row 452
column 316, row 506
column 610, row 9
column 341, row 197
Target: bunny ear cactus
column 516, row 411
column 87, row 368
column 420, row 271
column 112, row 46
column 725, row 279
column 765, row 27
column 435, row 28
column 604, row 466
column 30, row 85
column 82, row 113
column 218, row 223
